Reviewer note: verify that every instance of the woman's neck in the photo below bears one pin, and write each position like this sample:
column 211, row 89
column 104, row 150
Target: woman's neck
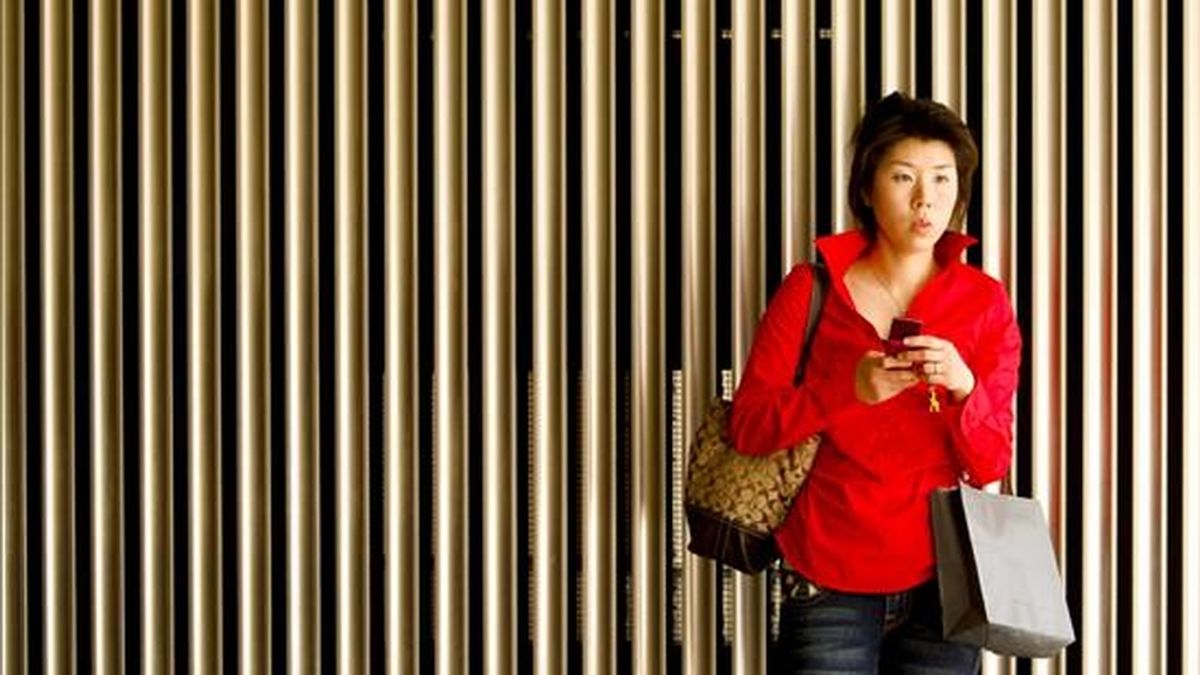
column 905, row 272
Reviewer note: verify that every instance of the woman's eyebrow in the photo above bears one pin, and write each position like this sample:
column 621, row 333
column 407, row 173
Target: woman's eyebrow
column 913, row 166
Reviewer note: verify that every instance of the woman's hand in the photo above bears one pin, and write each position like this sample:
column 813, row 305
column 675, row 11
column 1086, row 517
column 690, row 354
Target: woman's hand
column 939, row 363
column 880, row 377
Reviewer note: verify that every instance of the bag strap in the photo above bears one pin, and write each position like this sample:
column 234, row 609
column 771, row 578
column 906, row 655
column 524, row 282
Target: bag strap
column 816, row 303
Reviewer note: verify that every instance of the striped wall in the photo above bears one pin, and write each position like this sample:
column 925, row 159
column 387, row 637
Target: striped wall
column 367, row 337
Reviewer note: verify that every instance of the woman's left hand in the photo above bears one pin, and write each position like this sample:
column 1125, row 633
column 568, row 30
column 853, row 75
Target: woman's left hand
column 939, row 362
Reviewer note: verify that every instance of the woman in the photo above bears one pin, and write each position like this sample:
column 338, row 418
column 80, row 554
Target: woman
column 859, row 569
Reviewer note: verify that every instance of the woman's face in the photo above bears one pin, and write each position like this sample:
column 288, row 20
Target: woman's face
column 914, row 193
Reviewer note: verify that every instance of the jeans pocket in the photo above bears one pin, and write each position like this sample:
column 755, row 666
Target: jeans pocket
column 799, row 592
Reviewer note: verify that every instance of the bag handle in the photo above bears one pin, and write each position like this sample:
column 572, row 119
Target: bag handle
column 816, row 303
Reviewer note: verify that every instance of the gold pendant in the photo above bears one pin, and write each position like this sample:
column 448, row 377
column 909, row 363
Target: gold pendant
column 935, row 406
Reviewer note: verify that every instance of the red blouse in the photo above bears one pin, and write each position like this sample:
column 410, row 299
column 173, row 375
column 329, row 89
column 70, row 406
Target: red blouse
column 861, row 523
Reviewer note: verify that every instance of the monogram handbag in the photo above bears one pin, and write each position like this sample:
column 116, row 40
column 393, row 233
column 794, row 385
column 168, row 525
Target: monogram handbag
column 734, row 502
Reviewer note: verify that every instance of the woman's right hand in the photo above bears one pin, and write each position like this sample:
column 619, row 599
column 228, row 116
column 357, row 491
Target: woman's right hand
column 880, row 377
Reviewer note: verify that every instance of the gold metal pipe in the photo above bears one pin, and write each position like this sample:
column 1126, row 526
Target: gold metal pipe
column 154, row 194
column 749, row 638
column 747, row 194
column 300, row 272
column 747, row 188
column 158, row 654
column 450, row 299
column 897, row 61
column 847, row 102
column 13, row 546
column 998, row 192
column 1191, row 337
column 254, row 618
column 949, row 32
column 599, row 357
column 500, row 534
column 400, row 297
column 699, row 356
column 999, row 130
column 550, row 549
column 105, row 339
column 58, row 335
column 1047, row 306
column 648, row 385
column 799, row 159
column 1098, row 557
column 350, row 339
column 204, row 422
column 1149, row 485
column 747, row 159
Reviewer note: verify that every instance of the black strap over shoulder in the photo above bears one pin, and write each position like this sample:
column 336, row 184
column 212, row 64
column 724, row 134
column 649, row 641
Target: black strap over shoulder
column 816, row 303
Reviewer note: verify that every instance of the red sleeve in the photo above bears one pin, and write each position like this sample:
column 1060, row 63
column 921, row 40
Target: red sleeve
column 983, row 429
column 769, row 412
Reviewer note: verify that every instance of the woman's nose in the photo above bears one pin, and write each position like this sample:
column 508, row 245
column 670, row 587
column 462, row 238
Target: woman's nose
column 921, row 194
column 918, row 196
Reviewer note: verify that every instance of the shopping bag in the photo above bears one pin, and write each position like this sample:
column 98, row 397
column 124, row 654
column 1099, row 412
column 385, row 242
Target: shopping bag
column 999, row 581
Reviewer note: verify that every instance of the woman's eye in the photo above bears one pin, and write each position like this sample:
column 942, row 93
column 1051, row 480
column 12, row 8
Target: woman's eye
column 901, row 178
column 942, row 179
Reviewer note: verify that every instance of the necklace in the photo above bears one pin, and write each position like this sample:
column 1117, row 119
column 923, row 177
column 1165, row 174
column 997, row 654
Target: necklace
column 886, row 289
column 935, row 404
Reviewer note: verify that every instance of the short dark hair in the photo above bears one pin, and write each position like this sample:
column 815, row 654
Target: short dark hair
column 897, row 117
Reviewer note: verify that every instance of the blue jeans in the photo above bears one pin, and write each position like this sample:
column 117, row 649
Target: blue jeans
column 823, row 632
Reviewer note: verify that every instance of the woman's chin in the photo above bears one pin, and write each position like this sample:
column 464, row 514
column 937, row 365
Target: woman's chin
column 912, row 244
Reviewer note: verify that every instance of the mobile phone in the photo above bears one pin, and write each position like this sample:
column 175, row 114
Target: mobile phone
column 902, row 327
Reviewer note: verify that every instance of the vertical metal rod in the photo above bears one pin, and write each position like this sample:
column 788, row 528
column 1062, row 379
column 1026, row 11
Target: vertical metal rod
column 1100, row 485
column 158, row 616
column 300, row 263
column 847, row 102
column 350, row 344
column 254, row 619
column 749, row 639
column 1047, row 324
column 599, row 358
column 105, row 339
column 949, row 33
column 747, row 190
column 13, row 548
column 450, row 299
column 401, row 449
column 998, row 193
column 550, row 568
column 999, row 130
column 1191, row 337
column 204, row 420
column 799, row 160
column 648, row 378
column 897, row 60
column 1149, row 335
column 58, row 335
column 699, row 355
column 500, row 533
